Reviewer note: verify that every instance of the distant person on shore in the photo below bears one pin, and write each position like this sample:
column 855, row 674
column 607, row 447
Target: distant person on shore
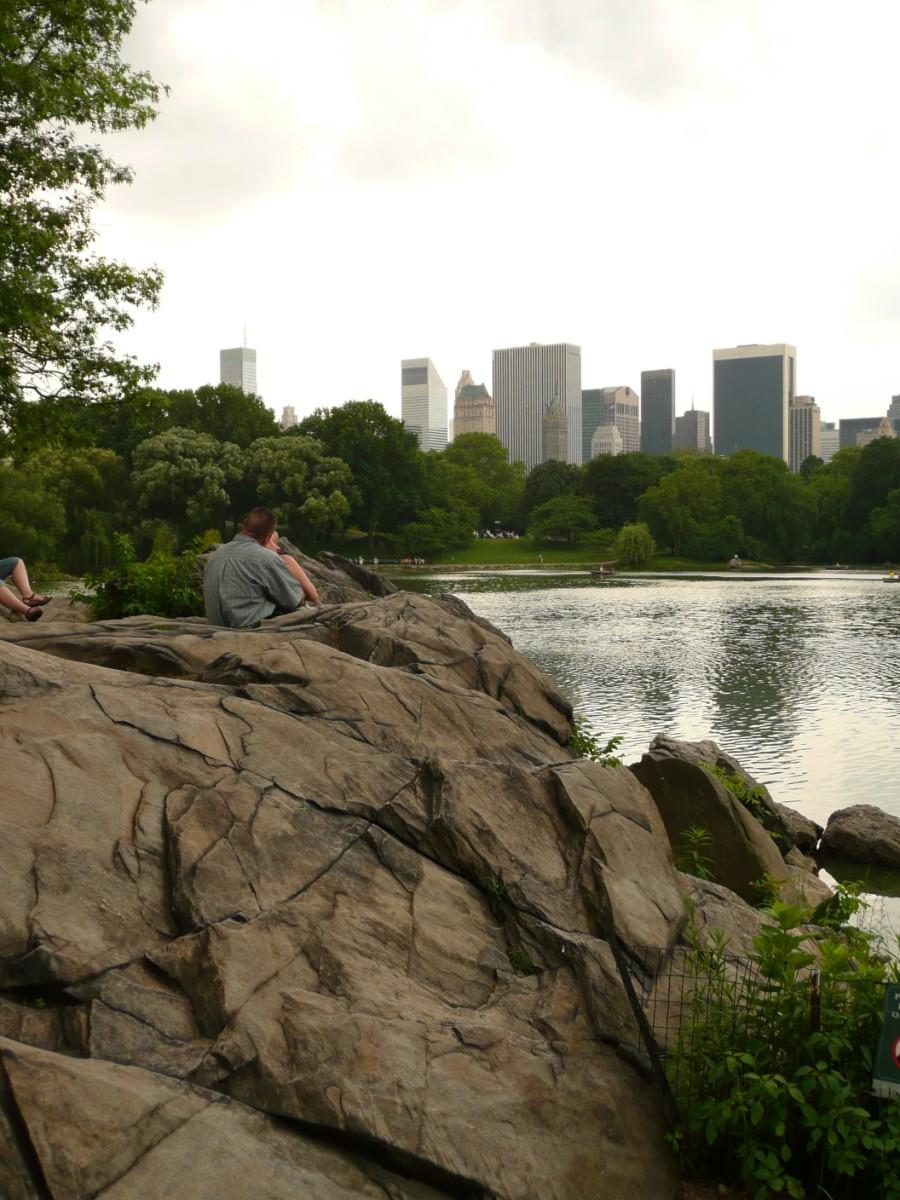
column 251, row 578
column 30, row 606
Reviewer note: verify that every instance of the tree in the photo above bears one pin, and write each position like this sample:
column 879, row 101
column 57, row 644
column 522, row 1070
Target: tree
column 383, row 457
column 884, row 528
column 309, row 491
column 543, row 482
column 225, row 412
column 877, row 475
column 501, row 482
column 562, row 519
column 772, row 505
column 615, row 482
column 31, row 519
column 62, row 75
column 684, row 500
column 186, row 479
column 90, row 485
column 634, row 545
column 436, row 531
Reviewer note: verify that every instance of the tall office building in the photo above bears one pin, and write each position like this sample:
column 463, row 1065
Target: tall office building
column 288, row 417
column 752, row 389
column 423, row 402
column 805, row 431
column 893, row 413
column 829, row 440
column 692, row 432
column 852, row 427
column 473, row 411
column 527, row 380
column 657, row 411
column 618, row 406
column 238, row 367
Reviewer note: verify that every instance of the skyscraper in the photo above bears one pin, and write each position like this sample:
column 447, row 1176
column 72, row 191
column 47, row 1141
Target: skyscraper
column 829, row 440
column 238, row 367
column 606, row 439
column 657, row 411
column 852, row 427
column 473, row 411
column 752, row 390
column 618, row 406
column 527, row 380
column 893, row 412
column 556, row 432
column 692, row 431
column 423, row 402
column 805, row 431
column 288, row 417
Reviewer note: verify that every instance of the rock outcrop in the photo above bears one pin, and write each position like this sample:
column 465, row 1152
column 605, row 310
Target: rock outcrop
column 864, row 833
column 696, row 785
column 327, row 902
column 805, row 832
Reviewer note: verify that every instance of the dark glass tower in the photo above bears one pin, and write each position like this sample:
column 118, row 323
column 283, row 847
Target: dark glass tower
column 753, row 387
column 657, row 411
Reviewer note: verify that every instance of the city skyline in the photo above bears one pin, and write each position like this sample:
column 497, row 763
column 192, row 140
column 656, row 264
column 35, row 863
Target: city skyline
column 317, row 174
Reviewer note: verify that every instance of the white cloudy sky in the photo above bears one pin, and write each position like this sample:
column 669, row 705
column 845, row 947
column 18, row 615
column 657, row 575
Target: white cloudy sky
column 359, row 181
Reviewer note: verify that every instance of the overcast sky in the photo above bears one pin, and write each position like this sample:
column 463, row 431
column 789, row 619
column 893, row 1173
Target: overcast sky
column 359, row 181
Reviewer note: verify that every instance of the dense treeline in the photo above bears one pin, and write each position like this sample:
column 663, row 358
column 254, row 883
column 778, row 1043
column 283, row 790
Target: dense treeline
column 165, row 467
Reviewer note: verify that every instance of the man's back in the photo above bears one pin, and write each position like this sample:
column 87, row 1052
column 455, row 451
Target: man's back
column 244, row 583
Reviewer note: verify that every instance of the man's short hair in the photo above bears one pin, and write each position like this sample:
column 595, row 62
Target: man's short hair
column 259, row 523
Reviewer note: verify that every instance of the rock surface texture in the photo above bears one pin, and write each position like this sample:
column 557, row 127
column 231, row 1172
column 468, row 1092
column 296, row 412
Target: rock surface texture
column 325, row 905
column 864, row 833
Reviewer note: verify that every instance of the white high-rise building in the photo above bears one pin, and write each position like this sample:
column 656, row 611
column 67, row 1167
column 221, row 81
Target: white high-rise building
column 423, row 402
column 238, row 367
column 805, row 431
column 529, row 380
column 288, row 417
column 606, row 439
column 829, row 440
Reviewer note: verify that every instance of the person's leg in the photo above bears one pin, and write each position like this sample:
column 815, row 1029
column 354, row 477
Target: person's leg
column 20, row 579
column 10, row 600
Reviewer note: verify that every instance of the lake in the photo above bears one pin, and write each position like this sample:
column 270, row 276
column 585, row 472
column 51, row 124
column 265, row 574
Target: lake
column 796, row 675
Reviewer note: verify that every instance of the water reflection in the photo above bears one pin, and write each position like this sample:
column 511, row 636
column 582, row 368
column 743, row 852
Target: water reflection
column 795, row 675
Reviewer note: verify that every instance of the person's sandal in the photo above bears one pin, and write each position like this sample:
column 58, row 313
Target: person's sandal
column 35, row 600
column 34, row 614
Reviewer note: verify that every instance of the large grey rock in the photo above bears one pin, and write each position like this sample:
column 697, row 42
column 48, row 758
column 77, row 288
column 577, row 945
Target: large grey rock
column 345, row 871
column 90, row 1128
column 740, row 852
column 705, row 753
column 805, row 832
column 864, row 833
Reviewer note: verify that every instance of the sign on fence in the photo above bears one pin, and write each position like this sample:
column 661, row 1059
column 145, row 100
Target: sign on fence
column 887, row 1060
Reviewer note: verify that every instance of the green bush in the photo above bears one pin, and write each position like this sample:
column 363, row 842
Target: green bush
column 780, row 1092
column 164, row 585
column 634, row 545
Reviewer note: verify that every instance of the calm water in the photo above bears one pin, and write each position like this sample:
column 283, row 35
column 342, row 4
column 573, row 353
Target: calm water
column 798, row 676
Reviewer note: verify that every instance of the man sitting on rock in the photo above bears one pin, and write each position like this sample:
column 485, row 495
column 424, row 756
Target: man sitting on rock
column 251, row 577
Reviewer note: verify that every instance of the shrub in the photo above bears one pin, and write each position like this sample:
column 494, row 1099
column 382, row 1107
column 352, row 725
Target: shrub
column 634, row 545
column 165, row 585
column 781, row 1074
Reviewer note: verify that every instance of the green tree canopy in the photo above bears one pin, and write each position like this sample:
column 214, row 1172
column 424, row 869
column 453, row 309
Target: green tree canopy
column 91, row 486
column 634, row 545
column 63, row 75
column 501, row 481
column 615, row 482
column 32, row 520
column 224, row 411
column 884, row 528
column 187, row 479
column 683, row 501
column 310, row 492
column 383, row 457
column 562, row 519
column 543, row 482
column 773, row 505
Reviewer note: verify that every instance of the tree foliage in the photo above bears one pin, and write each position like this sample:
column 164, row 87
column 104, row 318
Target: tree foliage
column 309, row 491
column 562, row 519
column 634, row 545
column 186, row 479
column 62, row 77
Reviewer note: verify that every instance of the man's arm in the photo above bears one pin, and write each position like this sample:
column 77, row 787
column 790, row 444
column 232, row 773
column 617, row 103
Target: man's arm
column 281, row 586
column 302, row 578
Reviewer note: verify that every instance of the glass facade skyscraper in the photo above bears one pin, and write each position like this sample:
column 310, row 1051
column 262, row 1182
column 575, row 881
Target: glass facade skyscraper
column 753, row 387
column 657, row 411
